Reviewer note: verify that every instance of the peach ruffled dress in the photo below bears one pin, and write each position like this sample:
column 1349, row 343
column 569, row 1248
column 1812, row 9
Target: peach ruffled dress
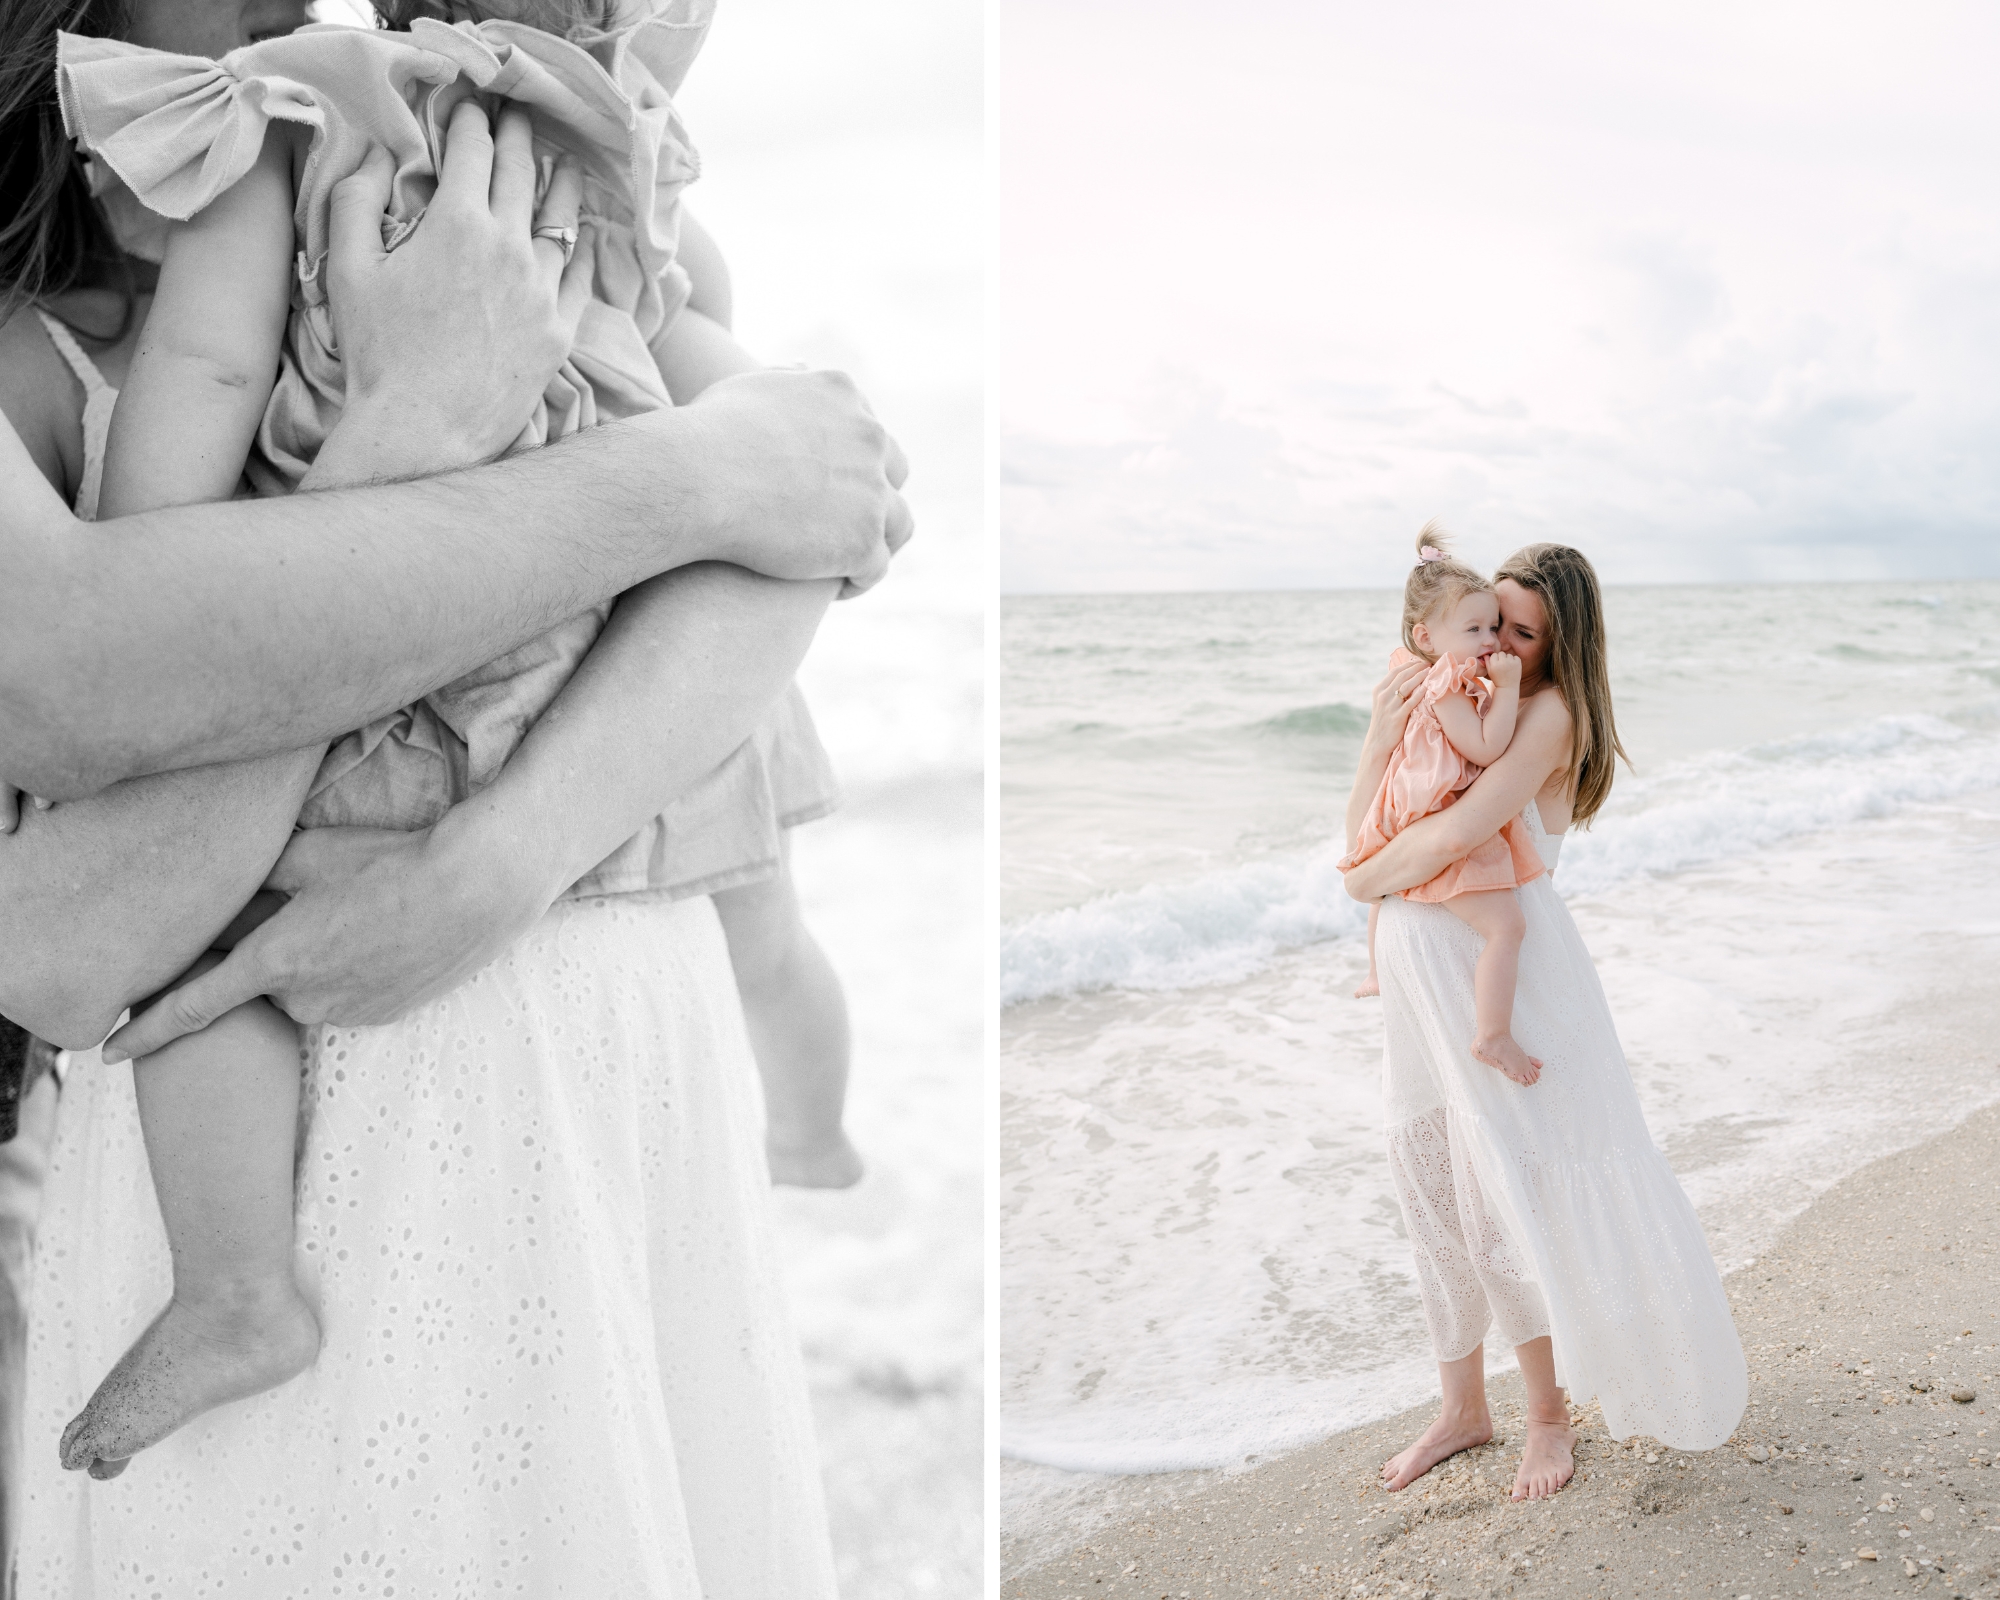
column 1425, row 774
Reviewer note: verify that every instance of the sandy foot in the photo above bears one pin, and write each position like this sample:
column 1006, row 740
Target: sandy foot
column 1369, row 988
column 192, row 1359
column 1444, row 1437
column 1547, row 1461
column 831, row 1163
column 1502, row 1052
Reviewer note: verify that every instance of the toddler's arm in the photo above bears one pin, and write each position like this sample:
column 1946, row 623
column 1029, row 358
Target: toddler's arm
column 1484, row 740
column 208, row 354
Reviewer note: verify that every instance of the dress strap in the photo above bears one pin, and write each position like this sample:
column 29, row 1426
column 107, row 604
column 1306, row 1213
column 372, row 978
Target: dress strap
column 98, row 399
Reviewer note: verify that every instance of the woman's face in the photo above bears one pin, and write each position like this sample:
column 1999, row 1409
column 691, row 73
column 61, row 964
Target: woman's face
column 211, row 27
column 1524, row 629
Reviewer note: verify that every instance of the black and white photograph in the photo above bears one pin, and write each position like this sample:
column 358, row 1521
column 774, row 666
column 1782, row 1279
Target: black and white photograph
column 493, row 861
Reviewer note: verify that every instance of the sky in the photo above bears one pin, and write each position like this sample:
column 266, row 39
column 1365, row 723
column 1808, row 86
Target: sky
column 844, row 176
column 1709, row 291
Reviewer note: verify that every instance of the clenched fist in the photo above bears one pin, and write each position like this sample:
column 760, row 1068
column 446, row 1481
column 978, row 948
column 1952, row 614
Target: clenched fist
column 809, row 479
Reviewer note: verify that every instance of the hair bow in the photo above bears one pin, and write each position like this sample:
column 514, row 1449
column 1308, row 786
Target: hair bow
column 1430, row 553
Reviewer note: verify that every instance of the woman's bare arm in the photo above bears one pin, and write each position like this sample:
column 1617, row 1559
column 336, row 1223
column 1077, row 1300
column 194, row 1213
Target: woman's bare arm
column 379, row 922
column 678, row 679
column 656, row 706
column 104, row 900
column 1424, row 849
column 198, row 635
column 205, row 634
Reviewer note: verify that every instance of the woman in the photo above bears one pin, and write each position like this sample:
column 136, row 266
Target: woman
column 1547, row 1208
column 532, row 1212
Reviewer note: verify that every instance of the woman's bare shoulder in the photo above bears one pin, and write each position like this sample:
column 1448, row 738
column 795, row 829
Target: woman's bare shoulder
column 1546, row 727
column 1544, row 716
column 42, row 400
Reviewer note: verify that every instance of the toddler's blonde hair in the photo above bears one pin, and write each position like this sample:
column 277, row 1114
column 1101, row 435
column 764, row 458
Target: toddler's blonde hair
column 1439, row 579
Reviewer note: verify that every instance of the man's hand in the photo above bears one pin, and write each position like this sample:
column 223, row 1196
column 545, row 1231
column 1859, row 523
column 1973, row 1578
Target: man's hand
column 808, row 478
column 376, row 924
column 1504, row 670
column 448, row 340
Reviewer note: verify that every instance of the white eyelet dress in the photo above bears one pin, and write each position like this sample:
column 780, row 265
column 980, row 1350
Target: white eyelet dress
column 1548, row 1209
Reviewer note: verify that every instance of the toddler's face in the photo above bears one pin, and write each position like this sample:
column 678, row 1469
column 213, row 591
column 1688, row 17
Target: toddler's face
column 1467, row 631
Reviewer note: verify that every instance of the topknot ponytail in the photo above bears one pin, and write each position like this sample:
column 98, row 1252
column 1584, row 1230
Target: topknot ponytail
column 1438, row 579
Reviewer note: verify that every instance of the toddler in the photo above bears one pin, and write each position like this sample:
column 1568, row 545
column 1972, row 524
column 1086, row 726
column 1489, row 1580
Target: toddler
column 1461, row 721
column 237, row 378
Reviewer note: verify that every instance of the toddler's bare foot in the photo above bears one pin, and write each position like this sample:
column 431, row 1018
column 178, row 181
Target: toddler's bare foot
column 1547, row 1462
column 831, row 1163
column 1444, row 1437
column 1369, row 988
column 194, row 1357
column 1502, row 1052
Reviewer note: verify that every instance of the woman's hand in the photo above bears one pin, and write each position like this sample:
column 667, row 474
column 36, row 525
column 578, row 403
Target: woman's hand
column 810, row 478
column 377, row 923
column 447, row 341
column 1387, row 718
column 1390, row 713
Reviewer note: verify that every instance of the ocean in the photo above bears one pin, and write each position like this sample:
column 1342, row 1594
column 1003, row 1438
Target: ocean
column 842, row 153
column 1201, row 1261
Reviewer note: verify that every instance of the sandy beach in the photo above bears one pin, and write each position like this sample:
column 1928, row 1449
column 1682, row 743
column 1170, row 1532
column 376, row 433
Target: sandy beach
column 1861, row 1465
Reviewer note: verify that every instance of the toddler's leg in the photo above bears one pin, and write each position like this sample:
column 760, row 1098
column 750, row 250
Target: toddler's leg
column 1495, row 915
column 1369, row 986
column 220, row 1113
column 797, row 1015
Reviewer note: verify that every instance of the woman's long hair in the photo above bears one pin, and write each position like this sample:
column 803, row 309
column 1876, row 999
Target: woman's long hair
column 53, row 235
column 1566, row 583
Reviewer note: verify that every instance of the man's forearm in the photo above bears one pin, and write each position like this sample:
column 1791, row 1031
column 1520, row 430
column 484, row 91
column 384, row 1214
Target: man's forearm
column 212, row 633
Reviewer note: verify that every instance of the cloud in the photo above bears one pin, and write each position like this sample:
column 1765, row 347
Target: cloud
column 1713, row 293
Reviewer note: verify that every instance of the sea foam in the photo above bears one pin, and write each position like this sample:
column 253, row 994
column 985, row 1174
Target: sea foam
column 1225, row 925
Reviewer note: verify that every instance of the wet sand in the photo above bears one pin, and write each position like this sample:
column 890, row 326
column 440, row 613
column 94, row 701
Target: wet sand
column 1855, row 1468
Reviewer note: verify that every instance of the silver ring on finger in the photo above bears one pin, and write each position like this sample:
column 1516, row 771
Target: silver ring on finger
column 566, row 237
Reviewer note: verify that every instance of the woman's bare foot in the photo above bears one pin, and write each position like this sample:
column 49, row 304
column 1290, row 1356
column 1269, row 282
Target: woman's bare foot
column 1547, row 1461
column 1444, row 1437
column 831, row 1163
column 195, row 1356
column 1500, row 1051
column 1369, row 988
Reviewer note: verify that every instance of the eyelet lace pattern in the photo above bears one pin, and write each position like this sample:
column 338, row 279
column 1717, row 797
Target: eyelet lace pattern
column 535, row 1214
column 1548, row 1209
